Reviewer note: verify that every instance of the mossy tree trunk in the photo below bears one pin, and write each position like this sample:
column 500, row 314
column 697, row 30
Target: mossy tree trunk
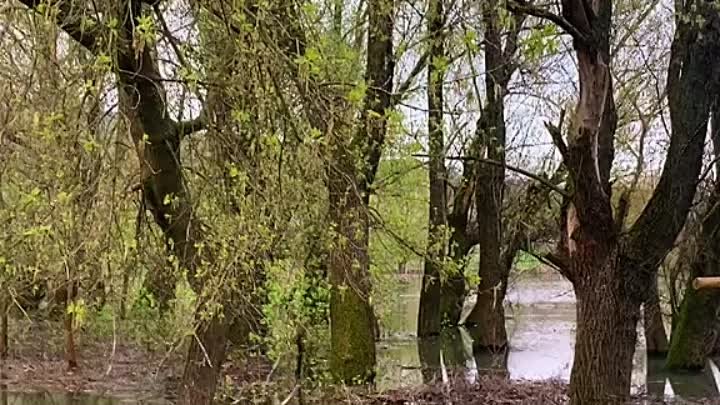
column 698, row 326
column 350, row 177
column 352, row 359
column 696, row 331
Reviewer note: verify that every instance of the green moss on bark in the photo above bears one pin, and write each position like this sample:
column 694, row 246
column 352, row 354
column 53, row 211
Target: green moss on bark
column 352, row 360
column 690, row 343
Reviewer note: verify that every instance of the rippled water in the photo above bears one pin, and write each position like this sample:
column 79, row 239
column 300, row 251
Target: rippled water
column 541, row 329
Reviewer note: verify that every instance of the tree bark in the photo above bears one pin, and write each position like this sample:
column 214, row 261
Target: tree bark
column 606, row 333
column 352, row 320
column 698, row 328
column 352, row 359
column 204, row 361
column 4, row 347
column 429, row 314
column 68, row 321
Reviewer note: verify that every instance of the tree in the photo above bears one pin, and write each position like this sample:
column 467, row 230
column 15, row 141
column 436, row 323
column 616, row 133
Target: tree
column 351, row 173
column 429, row 314
column 610, row 272
column 695, row 335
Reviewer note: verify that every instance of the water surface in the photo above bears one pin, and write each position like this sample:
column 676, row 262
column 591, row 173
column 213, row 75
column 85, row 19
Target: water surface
column 540, row 320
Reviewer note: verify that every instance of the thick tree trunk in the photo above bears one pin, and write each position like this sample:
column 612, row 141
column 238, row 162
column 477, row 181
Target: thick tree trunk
column 352, row 320
column 204, row 361
column 488, row 314
column 606, row 335
column 429, row 314
column 655, row 336
column 352, row 359
column 696, row 331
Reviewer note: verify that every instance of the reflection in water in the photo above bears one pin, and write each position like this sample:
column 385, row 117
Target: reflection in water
column 450, row 354
column 541, row 330
column 685, row 385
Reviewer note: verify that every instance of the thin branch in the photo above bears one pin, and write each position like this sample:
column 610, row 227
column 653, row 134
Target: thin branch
column 186, row 128
column 518, row 170
column 556, row 134
column 405, row 86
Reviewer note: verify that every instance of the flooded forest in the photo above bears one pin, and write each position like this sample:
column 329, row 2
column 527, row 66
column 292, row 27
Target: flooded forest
column 368, row 202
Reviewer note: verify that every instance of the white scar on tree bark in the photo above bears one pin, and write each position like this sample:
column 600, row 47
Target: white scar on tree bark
column 596, row 137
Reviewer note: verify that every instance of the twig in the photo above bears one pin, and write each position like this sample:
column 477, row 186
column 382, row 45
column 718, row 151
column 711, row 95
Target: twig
column 518, row 170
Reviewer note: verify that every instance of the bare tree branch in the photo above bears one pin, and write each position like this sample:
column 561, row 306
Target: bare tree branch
column 524, row 8
column 77, row 24
column 515, row 169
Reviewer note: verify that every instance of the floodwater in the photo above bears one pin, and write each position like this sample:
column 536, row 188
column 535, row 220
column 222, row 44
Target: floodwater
column 540, row 320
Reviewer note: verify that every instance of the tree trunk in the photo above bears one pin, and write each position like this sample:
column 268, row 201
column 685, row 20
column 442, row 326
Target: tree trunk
column 606, row 335
column 487, row 318
column 352, row 359
column 698, row 325
column 70, row 302
column 696, row 332
column 488, row 312
column 452, row 290
column 655, row 336
column 4, row 348
column 352, row 321
column 204, row 361
column 429, row 354
column 429, row 314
